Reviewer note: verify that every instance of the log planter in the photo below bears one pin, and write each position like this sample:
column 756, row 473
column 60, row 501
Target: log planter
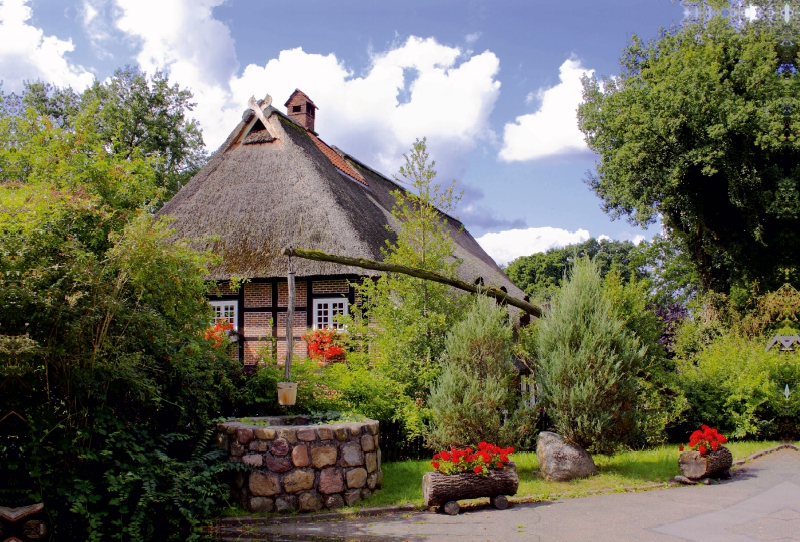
column 445, row 490
column 714, row 464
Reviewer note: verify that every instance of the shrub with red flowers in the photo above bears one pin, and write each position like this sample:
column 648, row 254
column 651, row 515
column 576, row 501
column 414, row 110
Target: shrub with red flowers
column 219, row 333
column 323, row 344
column 487, row 457
column 705, row 439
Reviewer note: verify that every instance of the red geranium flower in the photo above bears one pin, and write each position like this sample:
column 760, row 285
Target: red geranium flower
column 458, row 460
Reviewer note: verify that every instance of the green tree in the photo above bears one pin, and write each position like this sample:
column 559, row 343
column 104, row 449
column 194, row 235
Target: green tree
column 411, row 317
column 541, row 274
column 101, row 320
column 133, row 114
column 700, row 129
column 660, row 402
column 587, row 363
column 471, row 399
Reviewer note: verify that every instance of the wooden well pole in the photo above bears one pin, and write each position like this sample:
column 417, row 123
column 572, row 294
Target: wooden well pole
column 287, row 367
column 419, row 273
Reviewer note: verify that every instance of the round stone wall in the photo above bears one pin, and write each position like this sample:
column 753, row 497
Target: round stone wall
column 302, row 467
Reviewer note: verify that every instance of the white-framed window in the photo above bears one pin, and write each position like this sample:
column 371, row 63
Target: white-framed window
column 226, row 310
column 326, row 309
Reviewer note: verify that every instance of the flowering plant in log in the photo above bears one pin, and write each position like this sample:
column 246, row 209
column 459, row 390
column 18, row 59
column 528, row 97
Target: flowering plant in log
column 458, row 460
column 705, row 439
column 219, row 332
column 323, row 344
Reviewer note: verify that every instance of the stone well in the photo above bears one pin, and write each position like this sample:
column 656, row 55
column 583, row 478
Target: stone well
column 302, row 467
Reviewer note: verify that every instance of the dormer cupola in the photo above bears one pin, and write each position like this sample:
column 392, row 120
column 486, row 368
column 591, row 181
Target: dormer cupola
column 301, row 109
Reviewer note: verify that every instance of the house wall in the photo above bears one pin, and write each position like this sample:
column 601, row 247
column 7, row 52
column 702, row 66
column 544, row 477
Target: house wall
column 262, row 306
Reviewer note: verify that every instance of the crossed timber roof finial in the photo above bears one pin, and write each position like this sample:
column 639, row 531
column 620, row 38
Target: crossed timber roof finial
column 252, row 104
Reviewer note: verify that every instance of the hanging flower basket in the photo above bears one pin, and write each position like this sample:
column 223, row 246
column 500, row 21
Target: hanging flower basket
column 287, row 393
column 466, row 474
column 706, row 456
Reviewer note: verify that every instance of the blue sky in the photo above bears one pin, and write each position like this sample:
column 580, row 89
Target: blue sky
column 493, row 85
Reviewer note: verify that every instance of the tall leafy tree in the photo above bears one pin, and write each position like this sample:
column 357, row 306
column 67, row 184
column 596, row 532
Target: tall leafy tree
column 103, row 362
column 134, row 115
column 701, row 129
column 411, row 317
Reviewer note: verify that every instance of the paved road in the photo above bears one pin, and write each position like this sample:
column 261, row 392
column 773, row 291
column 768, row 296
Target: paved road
column 760, row 502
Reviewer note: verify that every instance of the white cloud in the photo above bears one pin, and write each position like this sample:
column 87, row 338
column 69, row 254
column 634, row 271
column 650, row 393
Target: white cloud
column 449, row 98
column 27, row 54
column 196, row 50
column 506, row 246
column 553, row 129
column 95, row 18
column 635, row 238
column 447, row 93
column 751, row 12
column 472, row 38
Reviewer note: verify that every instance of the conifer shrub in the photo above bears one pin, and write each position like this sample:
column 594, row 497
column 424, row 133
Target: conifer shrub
column 587, row 364
column 473, row 399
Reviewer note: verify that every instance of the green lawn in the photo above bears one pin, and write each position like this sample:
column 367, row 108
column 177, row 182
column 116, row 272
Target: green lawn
column 402, row 481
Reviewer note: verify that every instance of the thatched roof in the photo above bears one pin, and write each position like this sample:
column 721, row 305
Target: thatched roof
column 257, row 195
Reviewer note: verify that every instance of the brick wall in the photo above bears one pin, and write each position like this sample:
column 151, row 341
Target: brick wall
column 300, row 350
column 222, row 288
column 253, row 351
column 330, row 286
column 300, row 288
column 257, row 295
column 256, row 324
column 299, row 326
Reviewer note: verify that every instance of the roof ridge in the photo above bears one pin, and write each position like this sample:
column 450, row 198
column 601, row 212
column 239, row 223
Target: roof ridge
column 338, row 160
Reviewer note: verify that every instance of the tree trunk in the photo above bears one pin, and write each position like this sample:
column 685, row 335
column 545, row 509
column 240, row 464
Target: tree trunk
column 438, row 488
column 496, row 293
column 695, row 466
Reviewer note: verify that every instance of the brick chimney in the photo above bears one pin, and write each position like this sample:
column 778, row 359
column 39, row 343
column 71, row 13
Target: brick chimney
column 301, row 109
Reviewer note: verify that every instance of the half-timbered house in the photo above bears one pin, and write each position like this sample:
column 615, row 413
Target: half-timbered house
column 276, row 183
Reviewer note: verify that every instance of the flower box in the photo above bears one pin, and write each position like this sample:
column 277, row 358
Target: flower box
column 706, row 455
column 445, row 490
column 695, row 465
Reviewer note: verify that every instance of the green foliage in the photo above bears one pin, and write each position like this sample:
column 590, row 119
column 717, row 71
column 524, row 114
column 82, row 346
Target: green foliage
column 733, row 384
column 672, row 276
column 472, row 397
column 541, row 274
column 587, row 364
column 101, row 341
column 660, row 400
column 402, row 321
column 351, row 388
column 700, row 129
column 132, row 115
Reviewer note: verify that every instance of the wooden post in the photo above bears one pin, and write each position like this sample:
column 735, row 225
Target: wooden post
column 287, row 367
column 419, row 273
